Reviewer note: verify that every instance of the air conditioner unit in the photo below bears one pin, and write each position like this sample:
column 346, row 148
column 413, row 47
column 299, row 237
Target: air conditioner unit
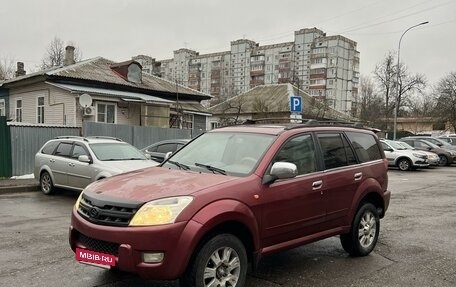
column 89, row 111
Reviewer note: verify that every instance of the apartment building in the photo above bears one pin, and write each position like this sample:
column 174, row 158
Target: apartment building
column 324, row 66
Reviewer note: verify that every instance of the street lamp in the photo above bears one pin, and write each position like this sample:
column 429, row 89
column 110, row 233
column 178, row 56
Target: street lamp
column 396, row 108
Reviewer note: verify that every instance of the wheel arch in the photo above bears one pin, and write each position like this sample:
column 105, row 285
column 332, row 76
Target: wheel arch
column 403, row 157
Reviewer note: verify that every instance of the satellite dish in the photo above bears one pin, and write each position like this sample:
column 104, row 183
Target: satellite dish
column 85, row 100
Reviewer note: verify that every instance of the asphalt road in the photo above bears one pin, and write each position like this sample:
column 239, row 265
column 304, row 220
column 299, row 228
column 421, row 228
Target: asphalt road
column 417, row 244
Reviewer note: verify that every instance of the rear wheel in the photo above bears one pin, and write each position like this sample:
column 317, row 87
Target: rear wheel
column 443, row 160
column 363, row 236
column 404, row 164
column 46, row 184
column 221, row 261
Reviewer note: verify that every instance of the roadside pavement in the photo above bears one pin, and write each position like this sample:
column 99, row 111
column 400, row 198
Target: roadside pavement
column 18, row 185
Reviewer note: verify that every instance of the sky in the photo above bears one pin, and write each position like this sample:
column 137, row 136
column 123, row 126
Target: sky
column 120, row 29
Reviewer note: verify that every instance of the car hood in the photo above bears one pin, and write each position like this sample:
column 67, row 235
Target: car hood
column 154, row 183
column 129, row 165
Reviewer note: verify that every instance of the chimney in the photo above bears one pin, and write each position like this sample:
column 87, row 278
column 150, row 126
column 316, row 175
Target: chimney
column 69, row 56
column 20, row 69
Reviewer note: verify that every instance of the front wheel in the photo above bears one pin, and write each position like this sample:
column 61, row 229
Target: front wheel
column 222, row 261
column 363, row 236
column 404, row 164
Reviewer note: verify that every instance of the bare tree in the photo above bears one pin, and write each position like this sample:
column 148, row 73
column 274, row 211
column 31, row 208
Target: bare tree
column 385, row 74
column 232, row 110
column 446, row 99
column 6, row 68
column 408, row 85
column 55, row 53
column 371, row 104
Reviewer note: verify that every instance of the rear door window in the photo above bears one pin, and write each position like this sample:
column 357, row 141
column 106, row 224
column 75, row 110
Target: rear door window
column 335, row 150
column 365, row 145
column 63, row 149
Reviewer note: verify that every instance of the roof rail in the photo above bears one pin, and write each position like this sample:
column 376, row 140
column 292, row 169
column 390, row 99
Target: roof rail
column 104, row 137
column 68, row 137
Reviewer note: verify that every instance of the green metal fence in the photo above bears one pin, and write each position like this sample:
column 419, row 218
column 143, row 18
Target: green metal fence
column 5, row 149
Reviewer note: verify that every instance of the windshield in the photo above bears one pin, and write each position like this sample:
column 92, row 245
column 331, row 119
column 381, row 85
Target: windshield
column 396, row 145
column 431, row 144
column 405, row 145
column 116, row 151
column 228, row 153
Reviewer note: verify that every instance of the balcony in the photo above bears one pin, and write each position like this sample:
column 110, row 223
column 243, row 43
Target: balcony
column 254, row 83
column 319, row 55
column 257, row 73
column 284, row 59
column 317, row 87
column 284, row 80
column 318, row 66
column 318, row 76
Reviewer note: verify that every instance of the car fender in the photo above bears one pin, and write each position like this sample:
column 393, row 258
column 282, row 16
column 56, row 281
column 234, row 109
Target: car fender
column 401, row 157
column 48, row 170
column 208, row 218
column 370, row 185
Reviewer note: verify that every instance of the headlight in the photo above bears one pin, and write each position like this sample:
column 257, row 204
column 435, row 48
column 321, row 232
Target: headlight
column 452, row 153
column 78, row 201
column 161, row 211
column 419, row 155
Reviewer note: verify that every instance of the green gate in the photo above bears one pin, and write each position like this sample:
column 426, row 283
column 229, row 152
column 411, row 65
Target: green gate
column 5, row 149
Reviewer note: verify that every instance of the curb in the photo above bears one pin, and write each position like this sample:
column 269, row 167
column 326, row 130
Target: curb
column 19, row 188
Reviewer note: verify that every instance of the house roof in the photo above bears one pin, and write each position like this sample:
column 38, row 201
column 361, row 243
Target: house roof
column 99, row 70
column 126, row 96
column 269, row 99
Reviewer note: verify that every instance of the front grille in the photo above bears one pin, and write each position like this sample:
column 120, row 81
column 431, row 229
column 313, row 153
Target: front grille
column 105, row 214
column 99, row 245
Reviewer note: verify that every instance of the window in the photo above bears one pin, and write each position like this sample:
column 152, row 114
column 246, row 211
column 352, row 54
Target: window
column 40, row 110
column 106, row 113
column 365, row 146
column 214, row 125
column 336, row 151
column 165, row 148
column 50, row 147
column 77, row 151
column 300, row 151
column 19, row 110
column 2, row 107
column 64, row 149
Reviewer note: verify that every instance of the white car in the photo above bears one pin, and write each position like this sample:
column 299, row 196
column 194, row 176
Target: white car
column 403, row 158
column 75, row 162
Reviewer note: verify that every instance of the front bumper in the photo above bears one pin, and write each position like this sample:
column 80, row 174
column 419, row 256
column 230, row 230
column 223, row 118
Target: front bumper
column 176, row 241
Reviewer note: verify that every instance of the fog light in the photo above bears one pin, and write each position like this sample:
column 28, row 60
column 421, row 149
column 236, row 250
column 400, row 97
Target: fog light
column 153, row 257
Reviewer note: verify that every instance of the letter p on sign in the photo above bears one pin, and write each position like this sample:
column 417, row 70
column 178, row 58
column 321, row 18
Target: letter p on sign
column 296, row 104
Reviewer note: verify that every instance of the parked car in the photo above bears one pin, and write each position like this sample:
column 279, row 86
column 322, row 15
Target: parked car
column 447, row 157
column 433, row 158
column 439, row 142
column 232, row 196
column 158, row 150
column 401, row 157
column 74, row 162
column 449, row 139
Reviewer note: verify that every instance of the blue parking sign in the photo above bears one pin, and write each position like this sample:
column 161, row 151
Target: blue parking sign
column 295, row 104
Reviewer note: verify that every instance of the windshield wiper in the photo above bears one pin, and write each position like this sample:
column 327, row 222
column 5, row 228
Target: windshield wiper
column 211, row 168
column 180, row 165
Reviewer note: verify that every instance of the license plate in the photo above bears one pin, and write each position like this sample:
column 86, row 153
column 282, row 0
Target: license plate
column 95, row 258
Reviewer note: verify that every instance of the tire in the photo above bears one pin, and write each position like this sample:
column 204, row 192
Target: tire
column 404, row 164
column 222, row 260
column 443, row 160
column 363, row 236
column 46, row 184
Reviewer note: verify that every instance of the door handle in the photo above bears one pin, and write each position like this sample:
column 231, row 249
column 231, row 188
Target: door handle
column 71, row 164
column 358, row 176
column 52, row 160
column 317, row 184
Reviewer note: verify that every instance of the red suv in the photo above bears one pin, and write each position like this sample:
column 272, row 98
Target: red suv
column 232, row 196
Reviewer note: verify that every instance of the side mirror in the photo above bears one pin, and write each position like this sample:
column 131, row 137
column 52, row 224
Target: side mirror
column 388, row 149
column 84, row 158
column 167, row 155
column 281, row 170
